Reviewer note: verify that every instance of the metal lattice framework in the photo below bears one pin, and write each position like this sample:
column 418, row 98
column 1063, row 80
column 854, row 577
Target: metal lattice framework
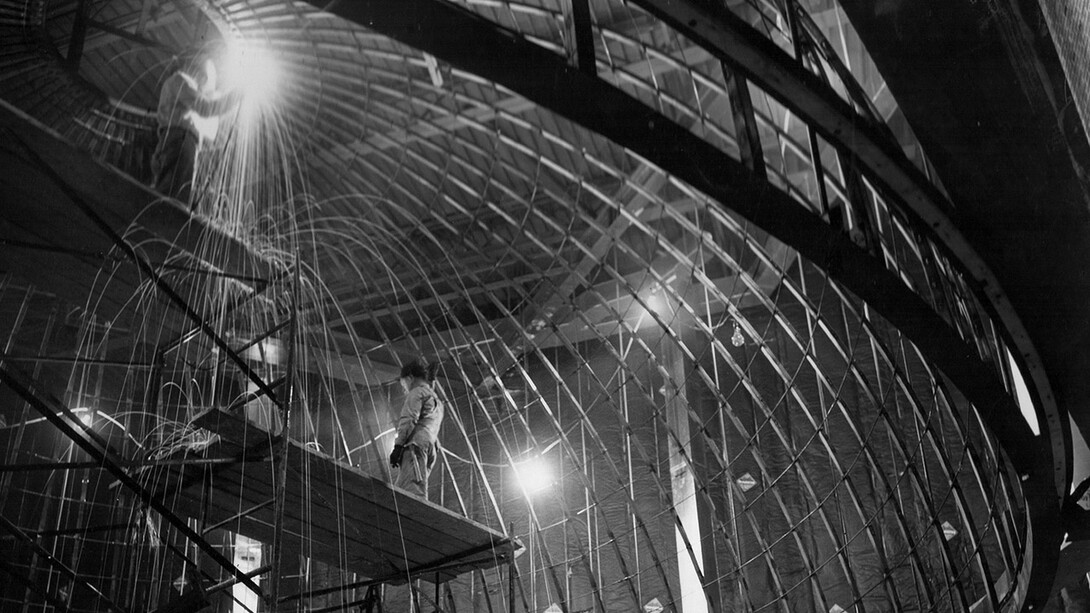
column 676, row 253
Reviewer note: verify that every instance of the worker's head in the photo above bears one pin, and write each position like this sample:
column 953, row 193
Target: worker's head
column 414, row 371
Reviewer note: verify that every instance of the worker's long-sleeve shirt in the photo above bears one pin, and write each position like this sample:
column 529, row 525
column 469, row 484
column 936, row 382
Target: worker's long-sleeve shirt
column 182, row 104
column 178, row 102
column 421, row 417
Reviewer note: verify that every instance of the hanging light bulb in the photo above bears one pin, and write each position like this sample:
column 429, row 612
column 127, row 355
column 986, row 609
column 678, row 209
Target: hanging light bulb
column 737, row 339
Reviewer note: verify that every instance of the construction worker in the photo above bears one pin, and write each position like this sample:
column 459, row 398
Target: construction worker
column 416, row 445
column 188, row 114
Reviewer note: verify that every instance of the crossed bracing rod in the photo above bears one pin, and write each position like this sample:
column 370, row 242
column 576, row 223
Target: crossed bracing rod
column 200, row 323
column 66, row 421
column 89, row 441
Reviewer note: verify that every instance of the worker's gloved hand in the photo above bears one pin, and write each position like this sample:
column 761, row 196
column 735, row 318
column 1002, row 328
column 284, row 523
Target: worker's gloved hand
column 395, row 455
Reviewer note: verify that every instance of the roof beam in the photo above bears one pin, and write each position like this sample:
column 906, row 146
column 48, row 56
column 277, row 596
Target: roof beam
column 102, row 33
column 129, row 36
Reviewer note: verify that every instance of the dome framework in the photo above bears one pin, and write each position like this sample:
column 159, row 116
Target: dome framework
column 764, row 382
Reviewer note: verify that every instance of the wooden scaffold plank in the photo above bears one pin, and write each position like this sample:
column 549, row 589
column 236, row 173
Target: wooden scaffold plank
column 333, row 513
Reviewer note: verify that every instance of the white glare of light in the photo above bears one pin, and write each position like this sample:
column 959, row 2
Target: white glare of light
column 657, row 303
column 268, row 351
column 533, row 475
column 249, row 69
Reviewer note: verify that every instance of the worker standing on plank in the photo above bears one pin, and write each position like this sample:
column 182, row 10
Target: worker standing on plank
column 416, row 446
column 189, row 109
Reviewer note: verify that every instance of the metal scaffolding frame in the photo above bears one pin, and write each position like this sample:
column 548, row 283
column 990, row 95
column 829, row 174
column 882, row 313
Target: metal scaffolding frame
column 66, row 421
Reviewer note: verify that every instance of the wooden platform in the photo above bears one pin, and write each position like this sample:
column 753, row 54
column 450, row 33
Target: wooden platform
column 334, row 513
column 50, row 241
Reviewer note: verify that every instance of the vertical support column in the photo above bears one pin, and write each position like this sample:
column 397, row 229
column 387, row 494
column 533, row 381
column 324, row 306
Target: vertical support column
column 819, row 174
column 281, row 457
column 155, row 384
column 745, row 122
column 834, row 217
column 787, row 7
column 860, row 204
column 859, row 201
column 452, row 606
column 79, row 34
column 690, row 554
column 581, row 32
column 712, row 548
column 511, row 579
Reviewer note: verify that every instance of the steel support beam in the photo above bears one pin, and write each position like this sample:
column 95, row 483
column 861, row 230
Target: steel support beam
column 75, row 359
column 976, row 81
column 745, row 122
column 83, row 531
column 79, row 35
column 471, row 42
column 583, row 36
column 280, row 464
column 768, row 66
column 11, row 468
column 230, row 520
column 504, row 549
column 695, row 585
column 129, row 36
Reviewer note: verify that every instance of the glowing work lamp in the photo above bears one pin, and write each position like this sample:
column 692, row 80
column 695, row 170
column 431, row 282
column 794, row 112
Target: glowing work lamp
column 533, row 475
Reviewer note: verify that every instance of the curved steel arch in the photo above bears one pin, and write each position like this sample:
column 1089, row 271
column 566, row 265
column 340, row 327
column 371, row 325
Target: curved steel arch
column 477, row 45
column 726, row 36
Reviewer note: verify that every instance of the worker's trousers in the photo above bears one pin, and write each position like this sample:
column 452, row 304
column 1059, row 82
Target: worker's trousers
column 174, row 163
column 416, row 465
